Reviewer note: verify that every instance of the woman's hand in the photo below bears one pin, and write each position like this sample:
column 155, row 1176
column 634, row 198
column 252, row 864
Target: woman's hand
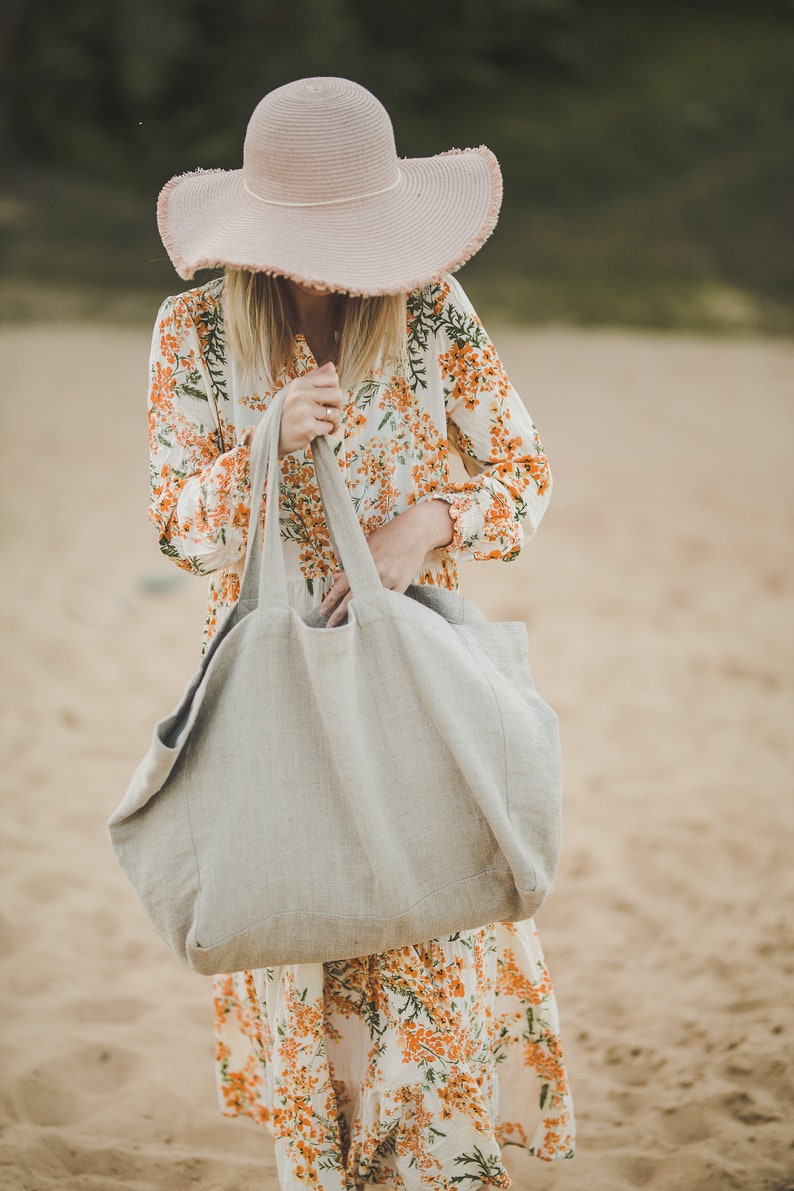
column 313, row 406
column 399, row 549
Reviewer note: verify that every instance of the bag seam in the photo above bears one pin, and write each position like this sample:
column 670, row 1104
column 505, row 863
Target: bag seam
column 357, row 917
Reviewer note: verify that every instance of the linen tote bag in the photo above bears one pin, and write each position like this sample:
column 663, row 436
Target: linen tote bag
column 324, row 793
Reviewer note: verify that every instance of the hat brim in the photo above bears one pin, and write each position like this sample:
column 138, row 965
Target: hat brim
column 436, row 218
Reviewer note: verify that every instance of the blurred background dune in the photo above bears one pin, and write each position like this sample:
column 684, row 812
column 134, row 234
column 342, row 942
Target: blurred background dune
column 646, row 147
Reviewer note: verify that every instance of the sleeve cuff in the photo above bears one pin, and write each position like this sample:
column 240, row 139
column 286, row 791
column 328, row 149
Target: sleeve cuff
column 467, row 519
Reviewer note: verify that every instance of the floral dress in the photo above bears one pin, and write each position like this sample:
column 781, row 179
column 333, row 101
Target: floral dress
column 412, row 1068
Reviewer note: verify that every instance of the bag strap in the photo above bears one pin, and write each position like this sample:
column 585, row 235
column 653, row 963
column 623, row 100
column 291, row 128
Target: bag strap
column 347, row 535
column 264, row 472
column 264, row 580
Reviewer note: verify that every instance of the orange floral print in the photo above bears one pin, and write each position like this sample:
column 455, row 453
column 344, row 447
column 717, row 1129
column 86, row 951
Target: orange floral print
column 393, row 448
column 413, row 1068
column 381, row 1067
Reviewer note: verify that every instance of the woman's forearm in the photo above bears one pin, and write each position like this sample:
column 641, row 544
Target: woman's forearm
column 436, row 520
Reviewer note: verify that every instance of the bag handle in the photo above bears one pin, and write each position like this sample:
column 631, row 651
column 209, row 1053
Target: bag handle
column 347, row 535
column 263, row 466
column 264, row 578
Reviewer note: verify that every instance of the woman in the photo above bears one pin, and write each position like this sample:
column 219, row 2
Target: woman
column 410, row 1068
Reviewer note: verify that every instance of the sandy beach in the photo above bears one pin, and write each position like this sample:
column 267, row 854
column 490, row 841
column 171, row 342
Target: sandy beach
column 658, row 595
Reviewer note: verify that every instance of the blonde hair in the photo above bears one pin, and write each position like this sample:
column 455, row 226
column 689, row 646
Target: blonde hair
column 261, row 326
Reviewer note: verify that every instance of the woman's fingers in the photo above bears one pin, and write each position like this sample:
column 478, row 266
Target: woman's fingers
column 320, row 385
column 327, row 395
column 313, row 406
column 323, row 386
column 335, row 594
column 328, row 413
column 325, row 378
column 339, row 613
column 321, row 374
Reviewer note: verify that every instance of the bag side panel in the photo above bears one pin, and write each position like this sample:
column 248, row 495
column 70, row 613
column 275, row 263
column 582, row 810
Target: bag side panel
column 531, row 834
column 155, row 848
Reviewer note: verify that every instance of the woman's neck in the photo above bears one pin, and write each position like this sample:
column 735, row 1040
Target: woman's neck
column 311, row 307
column 315, row 316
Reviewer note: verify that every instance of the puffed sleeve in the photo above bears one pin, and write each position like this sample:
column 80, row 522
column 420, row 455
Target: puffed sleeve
column 200, row 493
column 506, row 496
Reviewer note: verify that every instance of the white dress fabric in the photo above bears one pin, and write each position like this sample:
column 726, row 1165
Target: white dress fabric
column 413, row 1068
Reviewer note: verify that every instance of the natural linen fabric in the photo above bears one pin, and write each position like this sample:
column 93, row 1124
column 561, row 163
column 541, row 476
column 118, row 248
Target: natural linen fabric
column 278, row 1031
column 345, row 754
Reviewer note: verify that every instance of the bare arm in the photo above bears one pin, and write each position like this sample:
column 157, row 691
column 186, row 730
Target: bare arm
column 399, row 549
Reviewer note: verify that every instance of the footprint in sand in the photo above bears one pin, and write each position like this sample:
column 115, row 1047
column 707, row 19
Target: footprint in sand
column 43, row 1095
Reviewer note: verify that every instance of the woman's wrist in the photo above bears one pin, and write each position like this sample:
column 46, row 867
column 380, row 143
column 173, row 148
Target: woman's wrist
column 438, row 526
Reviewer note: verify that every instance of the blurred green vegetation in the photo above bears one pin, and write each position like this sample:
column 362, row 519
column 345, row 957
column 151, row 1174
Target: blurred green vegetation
column 647, row 148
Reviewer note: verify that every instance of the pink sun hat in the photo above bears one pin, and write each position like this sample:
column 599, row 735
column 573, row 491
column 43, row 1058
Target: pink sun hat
column 324, row 199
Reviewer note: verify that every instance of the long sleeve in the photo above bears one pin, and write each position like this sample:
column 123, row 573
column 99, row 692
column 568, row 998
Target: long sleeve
column 503, row 501
column 200, row 493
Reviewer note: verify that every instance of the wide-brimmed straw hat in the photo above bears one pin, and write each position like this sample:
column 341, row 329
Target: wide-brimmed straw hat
column 324, row 199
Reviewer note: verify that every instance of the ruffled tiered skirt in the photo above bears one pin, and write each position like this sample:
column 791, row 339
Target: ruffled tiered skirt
column 410, row 1069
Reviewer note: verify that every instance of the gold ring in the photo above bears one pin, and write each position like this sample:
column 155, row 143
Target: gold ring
column 328, row 413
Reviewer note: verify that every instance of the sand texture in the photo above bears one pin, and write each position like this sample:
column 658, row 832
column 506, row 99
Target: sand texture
column 658, row 595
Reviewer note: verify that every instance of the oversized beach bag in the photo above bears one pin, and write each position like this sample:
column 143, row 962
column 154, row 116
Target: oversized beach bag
column 325, row 793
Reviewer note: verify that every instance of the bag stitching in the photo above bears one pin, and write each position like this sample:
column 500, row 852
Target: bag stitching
column 505, row 872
